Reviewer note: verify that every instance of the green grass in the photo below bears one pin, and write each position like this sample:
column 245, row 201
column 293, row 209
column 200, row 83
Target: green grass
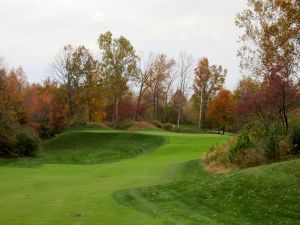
column 190, row 128
column 89, row 147
column 160, row 185
column 263, row 195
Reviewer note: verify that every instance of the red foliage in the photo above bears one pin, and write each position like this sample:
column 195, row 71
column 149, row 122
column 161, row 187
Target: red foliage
column 126, row 109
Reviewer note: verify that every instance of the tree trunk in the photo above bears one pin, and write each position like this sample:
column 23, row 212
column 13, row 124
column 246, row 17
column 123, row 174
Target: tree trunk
column 201, row 110
column 70, row 105
column 137, row 110
column 284, row 109
column 90, row 109
column 117, row 113
column 179, row 113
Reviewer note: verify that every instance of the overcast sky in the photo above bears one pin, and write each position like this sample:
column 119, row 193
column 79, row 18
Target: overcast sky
column 32, row 31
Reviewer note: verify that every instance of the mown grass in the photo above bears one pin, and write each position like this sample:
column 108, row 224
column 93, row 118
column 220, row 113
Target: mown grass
column 71, row 194
column 190, row 128
column 166, row 185
column 90, row 147
column 262, row 195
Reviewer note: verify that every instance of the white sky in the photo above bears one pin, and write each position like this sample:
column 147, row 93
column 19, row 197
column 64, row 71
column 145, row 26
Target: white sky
column 32, row 31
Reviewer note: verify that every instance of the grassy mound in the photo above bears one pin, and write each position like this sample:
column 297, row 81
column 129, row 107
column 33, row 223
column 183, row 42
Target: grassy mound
column 262, row 195
column 90, row 147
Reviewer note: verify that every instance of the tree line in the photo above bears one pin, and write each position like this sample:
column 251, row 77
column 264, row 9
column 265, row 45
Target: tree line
column 122, row 86
column 268, row 96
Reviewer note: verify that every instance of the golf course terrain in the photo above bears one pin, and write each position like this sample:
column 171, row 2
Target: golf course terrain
column 150, row 177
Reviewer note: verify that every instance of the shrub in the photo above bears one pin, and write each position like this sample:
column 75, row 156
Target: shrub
column 8, row 127
column 77, row 122
column 217, row 159
column 168, row 126
column 157, row 123
column 272, row 144
column 285, row 146
column 242, row 142
column 45, row 130
column 7, row 143
column 125, row 124
column 295, row 138
column 27, row 144
column 250, row 157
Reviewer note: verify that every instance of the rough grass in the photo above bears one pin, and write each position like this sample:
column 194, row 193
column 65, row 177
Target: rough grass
column 142, row 125
column 262, row 195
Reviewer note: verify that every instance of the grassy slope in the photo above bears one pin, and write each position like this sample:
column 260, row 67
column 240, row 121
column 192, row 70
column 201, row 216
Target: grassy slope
column 177, row 192
column 89, row 147
column 263, row 195
column 82, row 194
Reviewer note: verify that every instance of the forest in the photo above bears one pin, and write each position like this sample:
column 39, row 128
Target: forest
column 117, row 136
column 121, row 87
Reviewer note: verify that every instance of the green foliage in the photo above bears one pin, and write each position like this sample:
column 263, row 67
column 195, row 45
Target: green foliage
column 242, row 142
column 169, row 126
column 272, row 144
column 118, row 66
column 125, row 124
column 77, row 122
column 295, row 137
column 21, row 142
column 28, row 143
column 8, row 125
column 16, row 141
column 45, row 130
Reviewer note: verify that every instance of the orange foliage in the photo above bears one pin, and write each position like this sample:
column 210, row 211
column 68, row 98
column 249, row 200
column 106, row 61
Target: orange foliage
column 221, row 110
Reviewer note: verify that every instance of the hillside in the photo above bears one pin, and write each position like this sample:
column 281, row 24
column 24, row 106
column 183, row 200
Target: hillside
column 157, row 179
column 267, row 194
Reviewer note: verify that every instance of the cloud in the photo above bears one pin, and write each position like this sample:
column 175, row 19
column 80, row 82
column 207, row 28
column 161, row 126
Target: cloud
column 99, row 17
column 32, row 31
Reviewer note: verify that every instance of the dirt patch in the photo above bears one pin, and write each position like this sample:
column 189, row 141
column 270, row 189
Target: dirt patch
column 139, row 125
column 77, row 215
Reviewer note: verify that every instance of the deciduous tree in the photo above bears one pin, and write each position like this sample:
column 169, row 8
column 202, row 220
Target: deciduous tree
column 270, row 49
column 208, row 81
column 185, row 64
column 118, row 66
column 221, row 110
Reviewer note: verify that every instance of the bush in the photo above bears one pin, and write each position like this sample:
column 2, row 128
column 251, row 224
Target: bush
column 242, row 142
column 217, row 159
column 168, row 126
column 75, row 123
column 7, row 143
column 28, row 143
column 125, row 124
column 285, row 147
column 272, row 144
column 295, row 138
column 45, row 131
column 157, row 123
column 8, row 128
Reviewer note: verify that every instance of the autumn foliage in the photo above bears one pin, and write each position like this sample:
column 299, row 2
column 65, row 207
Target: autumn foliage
column 121, row 86
column 221, row 110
